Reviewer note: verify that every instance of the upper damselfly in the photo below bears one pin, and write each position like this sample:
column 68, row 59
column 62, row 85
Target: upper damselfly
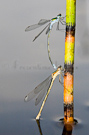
column 57, row 19
column 44, row 87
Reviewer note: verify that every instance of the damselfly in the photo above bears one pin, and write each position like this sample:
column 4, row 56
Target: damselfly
column 57, row 19
column 43, row 87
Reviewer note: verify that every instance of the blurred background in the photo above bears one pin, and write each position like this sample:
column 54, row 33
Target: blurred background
column 16, row 46
column 24, row 64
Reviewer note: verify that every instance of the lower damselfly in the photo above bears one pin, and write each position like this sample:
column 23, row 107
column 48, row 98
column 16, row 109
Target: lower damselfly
column 44, row 87
column 49, row 26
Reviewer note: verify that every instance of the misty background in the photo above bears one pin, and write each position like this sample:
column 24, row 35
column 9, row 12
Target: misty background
column 24, row 64
column 16, row 46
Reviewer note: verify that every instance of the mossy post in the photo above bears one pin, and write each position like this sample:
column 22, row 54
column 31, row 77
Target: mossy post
column 69, row 60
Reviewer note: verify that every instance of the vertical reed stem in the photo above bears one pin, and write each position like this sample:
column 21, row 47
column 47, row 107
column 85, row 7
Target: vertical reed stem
column 69, row 60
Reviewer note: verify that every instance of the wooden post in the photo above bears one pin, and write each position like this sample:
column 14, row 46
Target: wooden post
column 69, row 60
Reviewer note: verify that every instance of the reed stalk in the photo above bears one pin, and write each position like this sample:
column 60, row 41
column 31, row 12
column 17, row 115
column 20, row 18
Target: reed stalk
column 69, row 60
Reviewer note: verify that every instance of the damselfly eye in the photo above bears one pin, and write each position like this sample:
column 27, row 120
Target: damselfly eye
column 60, row 66
column 59, row 15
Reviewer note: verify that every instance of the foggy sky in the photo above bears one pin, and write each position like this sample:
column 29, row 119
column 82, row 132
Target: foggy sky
column 17, row 45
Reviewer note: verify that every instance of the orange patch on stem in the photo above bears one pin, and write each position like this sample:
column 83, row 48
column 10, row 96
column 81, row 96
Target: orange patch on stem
column 70, row 38
column 68, row 88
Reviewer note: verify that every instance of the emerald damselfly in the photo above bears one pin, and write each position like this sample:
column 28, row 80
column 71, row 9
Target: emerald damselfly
column 57, row 19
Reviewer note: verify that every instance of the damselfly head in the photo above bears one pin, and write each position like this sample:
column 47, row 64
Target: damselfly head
column 59, row 15
column 60, row 68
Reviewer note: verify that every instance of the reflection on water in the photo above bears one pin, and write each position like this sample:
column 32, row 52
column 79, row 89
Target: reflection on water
column 67, row 127
column 38, row 123
column 67, row 130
